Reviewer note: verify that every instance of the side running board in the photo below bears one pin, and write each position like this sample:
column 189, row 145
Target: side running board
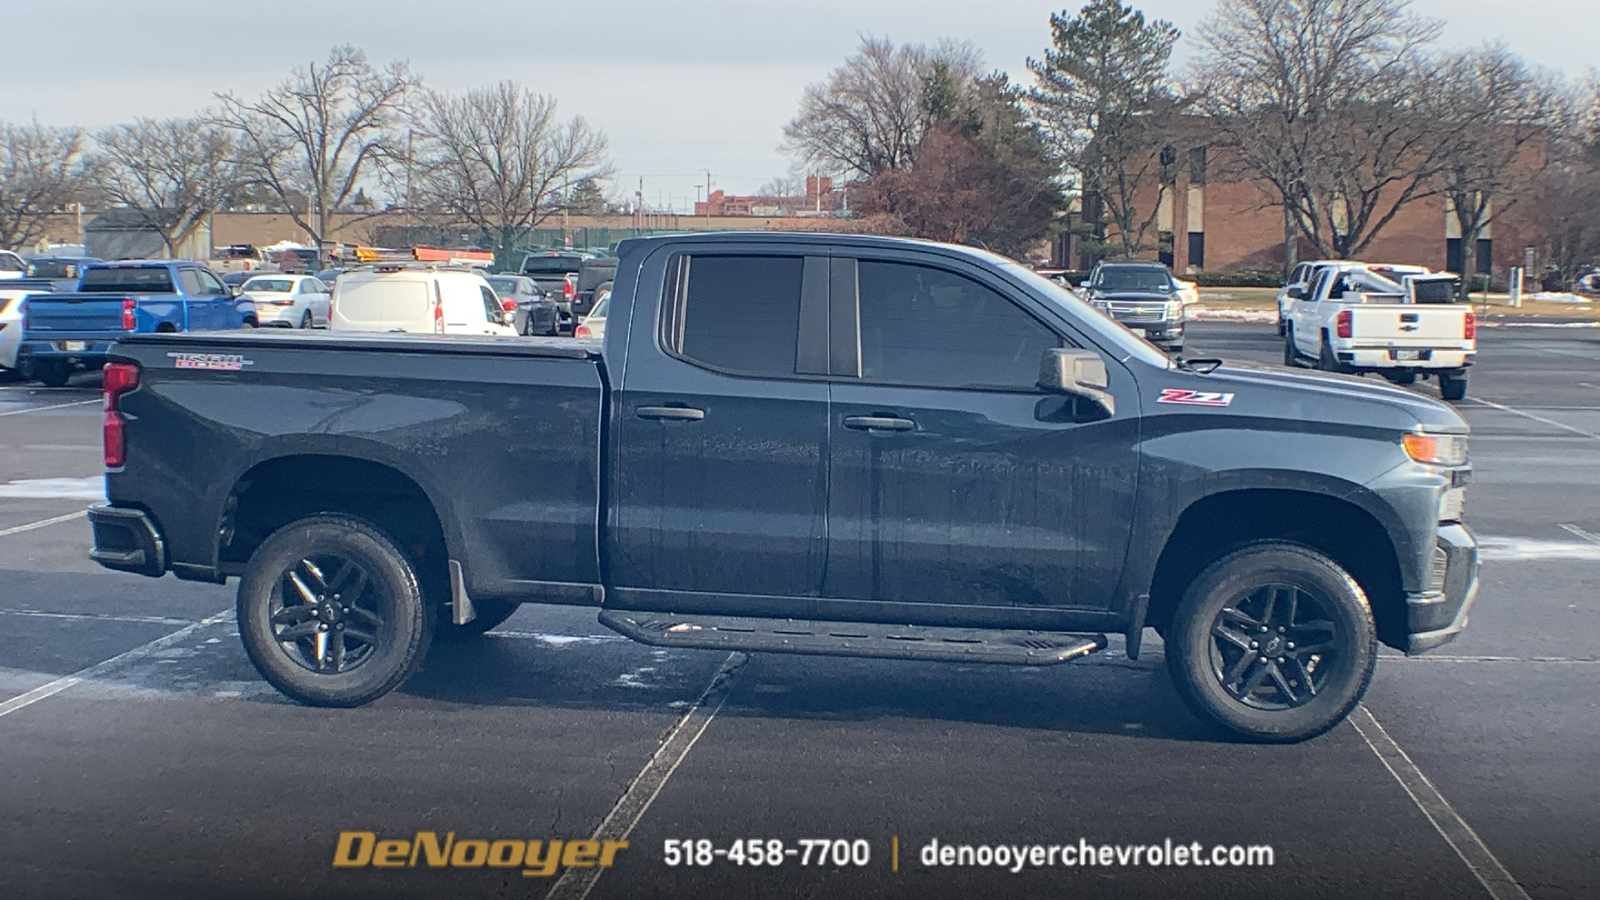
column 761, row 635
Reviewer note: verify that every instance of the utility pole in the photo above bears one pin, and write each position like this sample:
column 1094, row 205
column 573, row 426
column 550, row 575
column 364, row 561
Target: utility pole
column 708, row 198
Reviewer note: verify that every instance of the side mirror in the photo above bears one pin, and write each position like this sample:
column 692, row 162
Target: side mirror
column 508, row 318
column 1077, row 373
column 233, row 290
column 1296, row 292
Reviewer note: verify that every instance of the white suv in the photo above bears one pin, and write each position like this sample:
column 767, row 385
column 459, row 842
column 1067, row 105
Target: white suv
column 420, row 299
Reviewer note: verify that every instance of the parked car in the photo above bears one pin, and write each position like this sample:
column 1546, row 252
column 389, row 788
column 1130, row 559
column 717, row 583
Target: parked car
column 594, row 324
column 11, row 265
column 65, row 332
column 594, row 278
column 235, row 280
column 419, row 299
column 327, row 276
column 1142, row 296
column 556, row 273
column 14, row 293
column 290, row 301
column 535, row 313
column 822, row 444
column 62, row 271
column 1354, row 320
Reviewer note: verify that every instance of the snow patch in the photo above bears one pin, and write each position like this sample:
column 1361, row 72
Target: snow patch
column 92, row 488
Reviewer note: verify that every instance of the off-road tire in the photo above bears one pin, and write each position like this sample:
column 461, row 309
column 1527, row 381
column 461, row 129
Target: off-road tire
column 1453, row 387
column 1213, row 672
column 389, row 588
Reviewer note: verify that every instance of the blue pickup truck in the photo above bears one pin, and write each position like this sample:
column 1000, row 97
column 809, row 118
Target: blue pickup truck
column 66, row 332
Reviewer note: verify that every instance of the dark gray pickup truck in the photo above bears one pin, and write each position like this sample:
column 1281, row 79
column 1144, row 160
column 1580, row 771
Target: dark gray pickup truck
column 799, row 443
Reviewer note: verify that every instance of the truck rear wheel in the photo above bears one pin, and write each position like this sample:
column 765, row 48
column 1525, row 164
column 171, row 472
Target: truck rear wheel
column 331, row 613
column 1452, row 387
column 1326, row 361
column 1274, row 642
column 53, row 372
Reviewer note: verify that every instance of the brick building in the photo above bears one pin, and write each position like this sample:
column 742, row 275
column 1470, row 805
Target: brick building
column 1216, row 222
column 820, row 199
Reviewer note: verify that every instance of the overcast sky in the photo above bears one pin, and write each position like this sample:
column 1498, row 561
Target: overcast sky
column 680, row 88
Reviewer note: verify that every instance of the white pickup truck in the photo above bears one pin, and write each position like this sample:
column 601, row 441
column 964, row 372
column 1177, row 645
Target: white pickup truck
column 1355, row 320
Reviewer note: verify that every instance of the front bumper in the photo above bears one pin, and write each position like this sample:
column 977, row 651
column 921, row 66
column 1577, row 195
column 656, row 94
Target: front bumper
column 127, row 540
column 1437, row 615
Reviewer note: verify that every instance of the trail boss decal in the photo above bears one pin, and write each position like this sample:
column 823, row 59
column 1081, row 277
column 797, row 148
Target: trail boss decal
column 1194, row 398
column 223, row 361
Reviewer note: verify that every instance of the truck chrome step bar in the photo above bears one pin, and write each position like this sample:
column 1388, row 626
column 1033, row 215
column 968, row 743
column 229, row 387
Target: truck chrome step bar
column 710, row 632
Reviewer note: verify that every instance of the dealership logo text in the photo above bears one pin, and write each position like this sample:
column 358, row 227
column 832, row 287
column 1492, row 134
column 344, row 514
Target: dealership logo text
column 537, row 859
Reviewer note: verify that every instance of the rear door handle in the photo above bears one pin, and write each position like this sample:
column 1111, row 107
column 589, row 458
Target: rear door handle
column 879, row 423
column 670, row 413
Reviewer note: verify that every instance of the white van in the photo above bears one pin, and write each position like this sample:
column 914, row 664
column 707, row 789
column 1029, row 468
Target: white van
column 417, row 299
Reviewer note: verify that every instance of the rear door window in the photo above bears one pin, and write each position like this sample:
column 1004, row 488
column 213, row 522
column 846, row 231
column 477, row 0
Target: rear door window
column 737, row 313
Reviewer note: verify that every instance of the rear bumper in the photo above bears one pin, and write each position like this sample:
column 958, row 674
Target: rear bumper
column 1437, row 615
column 1387, row 358
column 127, row 540
column 92, row 352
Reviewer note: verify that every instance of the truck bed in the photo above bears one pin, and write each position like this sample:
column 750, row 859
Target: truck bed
column 501, row 435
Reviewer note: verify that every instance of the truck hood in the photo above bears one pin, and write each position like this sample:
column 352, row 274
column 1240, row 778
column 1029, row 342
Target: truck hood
column 1326, row 397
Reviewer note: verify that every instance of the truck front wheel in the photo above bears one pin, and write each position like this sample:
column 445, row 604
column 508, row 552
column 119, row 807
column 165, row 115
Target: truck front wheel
column 331, row 613
column 1274, row 641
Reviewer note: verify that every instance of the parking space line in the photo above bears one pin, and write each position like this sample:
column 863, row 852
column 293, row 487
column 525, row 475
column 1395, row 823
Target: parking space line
column 1454, row 829
column 18, row 412
column 45, row 691
column 575, row 884
column 95, row 617
column 18, row 529
column 1573, row 529
column 1528, row 415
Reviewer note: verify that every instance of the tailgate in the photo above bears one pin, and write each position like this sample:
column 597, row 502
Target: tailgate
column 77, row 313
column 1409, row 324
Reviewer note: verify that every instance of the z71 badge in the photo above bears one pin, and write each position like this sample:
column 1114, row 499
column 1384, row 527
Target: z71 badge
column 225, row 362
column 1194, row 398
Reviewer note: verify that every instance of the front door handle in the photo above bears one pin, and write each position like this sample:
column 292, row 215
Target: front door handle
column 670, row 413
column 879, row 423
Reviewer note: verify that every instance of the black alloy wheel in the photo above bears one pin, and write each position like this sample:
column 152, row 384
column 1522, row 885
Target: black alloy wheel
column 331, row 612
column 1274, row 642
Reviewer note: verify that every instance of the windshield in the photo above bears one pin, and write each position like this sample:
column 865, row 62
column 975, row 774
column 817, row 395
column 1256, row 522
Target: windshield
column 1147, row 279
column 269, row 286
column 1086, row 317
column 131, row 280
column 503, row 286
column 599, row 311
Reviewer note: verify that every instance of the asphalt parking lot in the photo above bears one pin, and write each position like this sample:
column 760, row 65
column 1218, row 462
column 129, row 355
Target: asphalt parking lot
column 143, row 757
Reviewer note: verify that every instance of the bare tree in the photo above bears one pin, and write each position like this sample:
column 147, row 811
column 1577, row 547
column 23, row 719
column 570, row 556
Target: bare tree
column 42, row 172
column 1507, row 115
column 319, row 133
column 869, row 115
column 1327, row 101
column 173, row 172
column 1104, row 98
column 499, row 159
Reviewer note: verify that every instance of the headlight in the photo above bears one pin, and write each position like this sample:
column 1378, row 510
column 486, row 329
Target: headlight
column 1174, row 308
column 1436, row 449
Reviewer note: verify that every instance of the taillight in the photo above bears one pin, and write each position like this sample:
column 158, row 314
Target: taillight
column 569, row 287
column 127, row 315
column 438, row 317
column 1469, row 329
column 508, row 305
column 120, row 378
column 1342, row 322
column 582, row 331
